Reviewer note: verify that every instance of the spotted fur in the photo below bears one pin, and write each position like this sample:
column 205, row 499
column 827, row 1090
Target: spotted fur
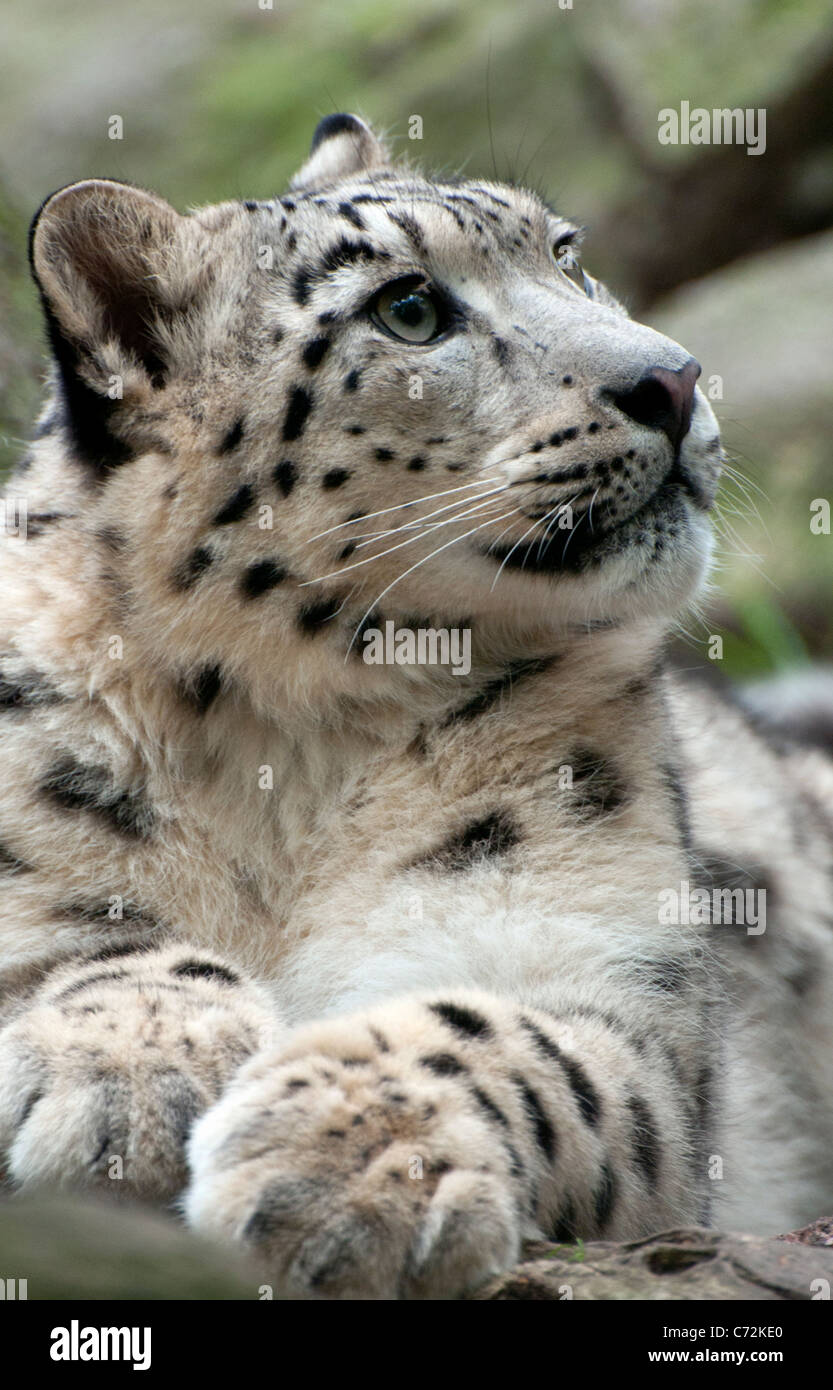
column 364, row 963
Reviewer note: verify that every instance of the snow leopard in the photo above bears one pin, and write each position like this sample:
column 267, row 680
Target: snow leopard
column 370, row 965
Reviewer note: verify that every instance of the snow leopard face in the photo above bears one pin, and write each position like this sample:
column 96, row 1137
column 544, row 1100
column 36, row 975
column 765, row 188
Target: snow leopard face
column 379, row 395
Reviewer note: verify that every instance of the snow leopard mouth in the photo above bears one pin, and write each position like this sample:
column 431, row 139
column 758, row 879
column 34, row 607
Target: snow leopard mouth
column 592, row 540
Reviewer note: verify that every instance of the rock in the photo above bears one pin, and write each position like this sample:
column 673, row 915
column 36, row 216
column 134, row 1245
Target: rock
column 818, row 1233
column 70, row 1247
column 675, row 1265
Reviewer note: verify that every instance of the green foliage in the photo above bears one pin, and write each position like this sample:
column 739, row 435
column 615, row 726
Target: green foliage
column 573, row 1254
column 765, row 641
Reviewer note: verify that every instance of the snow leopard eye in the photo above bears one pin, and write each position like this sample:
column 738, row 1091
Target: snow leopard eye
column 566, row 257
column 409, row 310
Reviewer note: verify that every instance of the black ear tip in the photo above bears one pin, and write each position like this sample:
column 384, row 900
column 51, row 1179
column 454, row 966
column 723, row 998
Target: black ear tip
column 338, row 124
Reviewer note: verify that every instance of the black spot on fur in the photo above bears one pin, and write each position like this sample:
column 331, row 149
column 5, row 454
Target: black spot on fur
column 598, row 788
column 443, row 1064
column 113, row 540
column 27, row 691
column 346, row 252
column 537, row 1116
column 236, row 507
column 74, row 786
column 604, row 1198
column 315, row 616
column 484, row 839
column 384, row 455
column 299, row 407
column 465, row 1021
column 314, row 352
column 232, row 438
column 501, row 350
column 31, row 1102
column 336, row 477
column 301, row 286
column 492, row 693
column 10, row 864
column 98, row 912
column 261, row 576
column 285, row 475
column 582, row 1088
column 410, row 227
column 342, row 253
column 351, row 381
column 102, row 976
column 352, row 214
column 671, row 976
column 205, row 970
column 201, row 689
column 458, row 218
column 37, row 522
column 416, row 464
column 645, row 1139
column 190, row 570
column 489, row 1108
column 120, row 949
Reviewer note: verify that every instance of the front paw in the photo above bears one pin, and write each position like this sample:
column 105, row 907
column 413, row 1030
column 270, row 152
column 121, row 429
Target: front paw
column 103, row 1075
column 352, row 1170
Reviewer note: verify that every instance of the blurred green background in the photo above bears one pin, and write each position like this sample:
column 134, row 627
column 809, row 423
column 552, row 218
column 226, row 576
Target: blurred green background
column 730, row 253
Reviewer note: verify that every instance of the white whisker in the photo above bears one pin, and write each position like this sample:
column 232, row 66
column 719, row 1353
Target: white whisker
column 511, row 553
column 379, row 555
column 423, row 520
column 368, row 516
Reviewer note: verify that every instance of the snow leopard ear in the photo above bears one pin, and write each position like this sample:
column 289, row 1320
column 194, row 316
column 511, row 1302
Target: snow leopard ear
column 341, row 145
column 114, row 266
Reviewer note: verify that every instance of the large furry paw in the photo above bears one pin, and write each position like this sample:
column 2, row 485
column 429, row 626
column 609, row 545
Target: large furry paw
column 353, row 1168
column 104, row 1072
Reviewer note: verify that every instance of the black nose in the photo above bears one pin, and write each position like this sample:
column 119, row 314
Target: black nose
column 662, row 400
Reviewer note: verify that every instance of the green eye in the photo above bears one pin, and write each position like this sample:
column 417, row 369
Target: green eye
column 409, row 312
column 566, row 258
